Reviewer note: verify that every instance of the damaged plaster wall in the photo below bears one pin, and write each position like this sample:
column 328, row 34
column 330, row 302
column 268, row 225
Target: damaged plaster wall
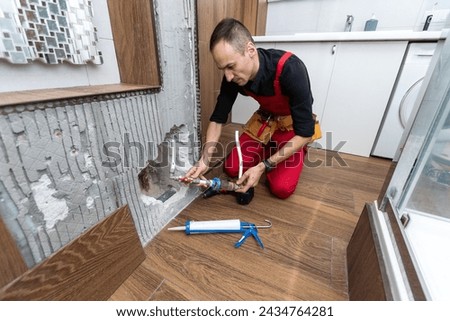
column 65, row 165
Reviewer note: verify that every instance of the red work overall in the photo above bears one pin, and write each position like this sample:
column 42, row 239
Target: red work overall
column 284, row 178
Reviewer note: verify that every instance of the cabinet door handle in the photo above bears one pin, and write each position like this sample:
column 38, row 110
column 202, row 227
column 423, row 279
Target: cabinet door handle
column 333, row 49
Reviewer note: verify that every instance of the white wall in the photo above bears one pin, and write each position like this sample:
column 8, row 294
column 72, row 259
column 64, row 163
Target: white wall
column 297, row 16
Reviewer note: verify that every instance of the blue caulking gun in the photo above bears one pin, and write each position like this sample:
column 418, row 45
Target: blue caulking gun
column 224, row 226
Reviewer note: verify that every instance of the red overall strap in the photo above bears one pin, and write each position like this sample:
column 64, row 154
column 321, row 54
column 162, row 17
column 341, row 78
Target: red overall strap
column 276, row 84
column 280, row 66
column 276, row 104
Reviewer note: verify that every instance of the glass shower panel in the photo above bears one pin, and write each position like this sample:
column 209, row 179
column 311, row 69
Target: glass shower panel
column 417, row 195
column 431, row 193
column 426, row 207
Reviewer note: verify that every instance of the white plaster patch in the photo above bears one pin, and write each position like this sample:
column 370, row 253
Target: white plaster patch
column 52, row 208
column 148, row 200
column 21, row 140
column 65, row 177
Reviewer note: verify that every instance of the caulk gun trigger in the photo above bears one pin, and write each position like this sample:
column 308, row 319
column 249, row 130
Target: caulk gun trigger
column 250, row 229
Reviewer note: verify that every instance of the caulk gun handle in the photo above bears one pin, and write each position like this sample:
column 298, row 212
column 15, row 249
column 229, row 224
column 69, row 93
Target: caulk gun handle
column 256, row 236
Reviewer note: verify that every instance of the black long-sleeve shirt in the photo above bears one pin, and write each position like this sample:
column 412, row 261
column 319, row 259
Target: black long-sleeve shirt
column 294, row 83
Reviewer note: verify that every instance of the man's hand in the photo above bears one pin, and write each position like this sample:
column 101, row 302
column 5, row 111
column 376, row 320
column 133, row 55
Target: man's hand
column 212, row 137
column 197, row 170
column 250, row 178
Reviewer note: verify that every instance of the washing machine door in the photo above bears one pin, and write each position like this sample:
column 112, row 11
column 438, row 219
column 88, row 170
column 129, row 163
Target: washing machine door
column 407, row 103
column 403, row 99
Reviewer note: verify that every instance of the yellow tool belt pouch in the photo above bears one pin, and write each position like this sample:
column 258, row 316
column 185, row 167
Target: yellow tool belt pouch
column 260, row 127
column 317, row 130
column 286, row 123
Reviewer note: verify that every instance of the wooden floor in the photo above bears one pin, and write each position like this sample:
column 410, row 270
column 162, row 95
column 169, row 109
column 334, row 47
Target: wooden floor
column 305, row 250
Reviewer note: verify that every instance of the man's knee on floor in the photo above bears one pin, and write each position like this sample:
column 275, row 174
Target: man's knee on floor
column 282, row 191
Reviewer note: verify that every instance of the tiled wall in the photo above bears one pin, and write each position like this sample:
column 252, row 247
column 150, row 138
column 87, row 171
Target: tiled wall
column 39, row 75
column 49, row 31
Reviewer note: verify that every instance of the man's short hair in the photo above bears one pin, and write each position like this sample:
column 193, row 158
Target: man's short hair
column 233, row 32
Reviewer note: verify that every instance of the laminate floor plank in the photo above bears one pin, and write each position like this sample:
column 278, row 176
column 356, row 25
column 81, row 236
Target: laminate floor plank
column 285, row 243
column 168, row 292
column 339, row 265
column 139, row 286
column 305, row 250
column 210, row 268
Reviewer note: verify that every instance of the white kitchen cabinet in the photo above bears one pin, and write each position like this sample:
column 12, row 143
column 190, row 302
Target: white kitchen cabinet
column 319, row 59
column 361, row 83
column 351, row 83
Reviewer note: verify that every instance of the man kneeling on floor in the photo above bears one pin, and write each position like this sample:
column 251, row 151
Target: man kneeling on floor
column 276, row 136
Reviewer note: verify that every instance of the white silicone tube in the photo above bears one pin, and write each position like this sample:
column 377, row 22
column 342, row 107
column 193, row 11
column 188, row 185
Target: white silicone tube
column 239, row 151
column 217, row 226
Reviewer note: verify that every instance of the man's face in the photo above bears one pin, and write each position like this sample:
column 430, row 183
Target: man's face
column 237, row 67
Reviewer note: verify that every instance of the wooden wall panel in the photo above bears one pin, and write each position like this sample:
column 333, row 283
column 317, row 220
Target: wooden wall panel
column 261, row 18
column 250, row 12
column 90, row 268
column 132, row 24
column 249, row 15
column 12, row 263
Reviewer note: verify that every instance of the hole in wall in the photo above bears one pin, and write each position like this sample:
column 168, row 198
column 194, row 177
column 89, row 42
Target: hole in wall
column 156, row 179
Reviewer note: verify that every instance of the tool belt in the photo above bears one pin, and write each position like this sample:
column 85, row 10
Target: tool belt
column 263, row 124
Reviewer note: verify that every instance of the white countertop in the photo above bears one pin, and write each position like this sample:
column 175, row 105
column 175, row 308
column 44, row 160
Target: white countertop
column 394, row 35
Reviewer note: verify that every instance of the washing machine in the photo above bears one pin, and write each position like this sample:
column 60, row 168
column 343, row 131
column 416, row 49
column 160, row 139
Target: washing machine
column 409, row 82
